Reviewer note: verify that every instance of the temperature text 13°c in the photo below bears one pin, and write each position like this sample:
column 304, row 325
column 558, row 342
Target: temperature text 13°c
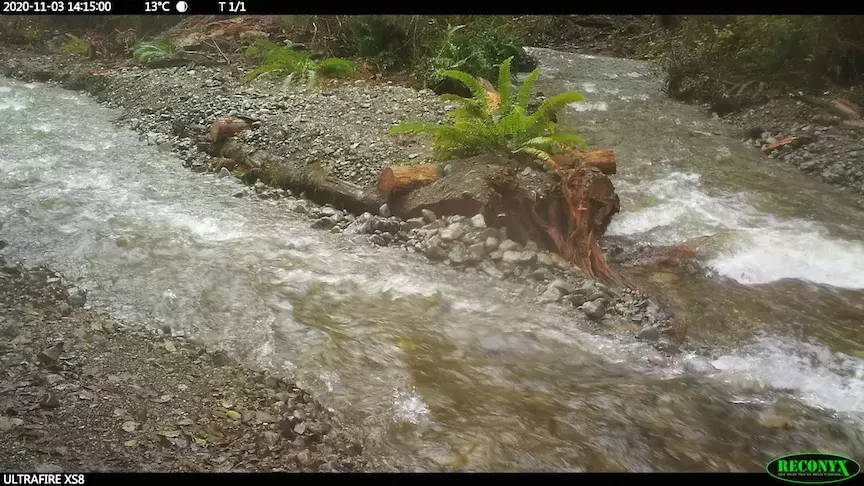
column 155, row 7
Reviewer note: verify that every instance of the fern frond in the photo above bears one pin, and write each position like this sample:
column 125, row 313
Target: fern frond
column 555, row 103
column 476, row 128
column 540, row 120
column 564, row 138
column 260, row 48
column 311, row 79
column 159, row 48
column 524, row 95
column 165, row 45
column 269, row 68
column 505, row 89
column 477, row 89
column 337, row 67
column 540, row 154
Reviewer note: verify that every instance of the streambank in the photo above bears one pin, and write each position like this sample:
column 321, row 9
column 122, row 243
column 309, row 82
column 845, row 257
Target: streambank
column 329, row 145
column 146, row 399
column 834, row 152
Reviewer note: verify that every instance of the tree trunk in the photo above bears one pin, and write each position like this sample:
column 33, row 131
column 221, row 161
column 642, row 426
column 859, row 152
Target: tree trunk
column 400, row 179
column 602, row 159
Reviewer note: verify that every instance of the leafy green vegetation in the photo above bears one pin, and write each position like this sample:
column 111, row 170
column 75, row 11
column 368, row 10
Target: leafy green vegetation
column 419, row 44
column 478, row 48
column 747, row 57
column 150, row 51
column 284, row 59
column 479, row 126
column 75, row 46
column 34, row 35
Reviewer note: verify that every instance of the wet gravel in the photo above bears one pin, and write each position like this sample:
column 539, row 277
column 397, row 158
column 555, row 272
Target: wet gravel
column 80, row 391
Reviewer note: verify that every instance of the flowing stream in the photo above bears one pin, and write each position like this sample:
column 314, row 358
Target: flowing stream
column 446, row 370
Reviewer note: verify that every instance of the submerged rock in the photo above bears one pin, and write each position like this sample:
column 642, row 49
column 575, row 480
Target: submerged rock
column 595, row 309
column 552, row 294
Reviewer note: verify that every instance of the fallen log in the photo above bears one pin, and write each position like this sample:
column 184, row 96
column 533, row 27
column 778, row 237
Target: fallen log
column 225, row 127
column 602, row 159
column 400, row 179
column 841, row 107
column 313, row 179
column 183, row 58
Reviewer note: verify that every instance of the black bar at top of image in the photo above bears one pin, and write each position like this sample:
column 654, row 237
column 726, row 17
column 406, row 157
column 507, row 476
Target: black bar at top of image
column 481, row 7
column 277, row 7
column 551, row 479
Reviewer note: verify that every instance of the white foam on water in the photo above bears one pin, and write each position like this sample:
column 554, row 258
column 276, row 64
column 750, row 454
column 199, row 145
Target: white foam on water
column 102, row 181
column 44, row 127
column 590, row 106
column 682, row 210
column 766, row 256
column 640, row 97
column 402, row 284
column 300, row 277
column 5, row 89
column 765, row 248
column 409, row 407
column 206, row 228
column 81, row 145
column 634, row 74
column 14, row 105
column 816, row 375
column 589, row 87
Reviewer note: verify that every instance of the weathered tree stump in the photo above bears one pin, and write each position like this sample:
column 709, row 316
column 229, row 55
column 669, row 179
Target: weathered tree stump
column 400, row 179
column 570, row 217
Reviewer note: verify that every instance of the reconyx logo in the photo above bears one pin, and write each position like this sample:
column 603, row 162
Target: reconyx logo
column 813, row 468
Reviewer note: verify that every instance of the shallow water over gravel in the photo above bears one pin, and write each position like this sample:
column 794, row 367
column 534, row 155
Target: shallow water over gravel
column 441, row 369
